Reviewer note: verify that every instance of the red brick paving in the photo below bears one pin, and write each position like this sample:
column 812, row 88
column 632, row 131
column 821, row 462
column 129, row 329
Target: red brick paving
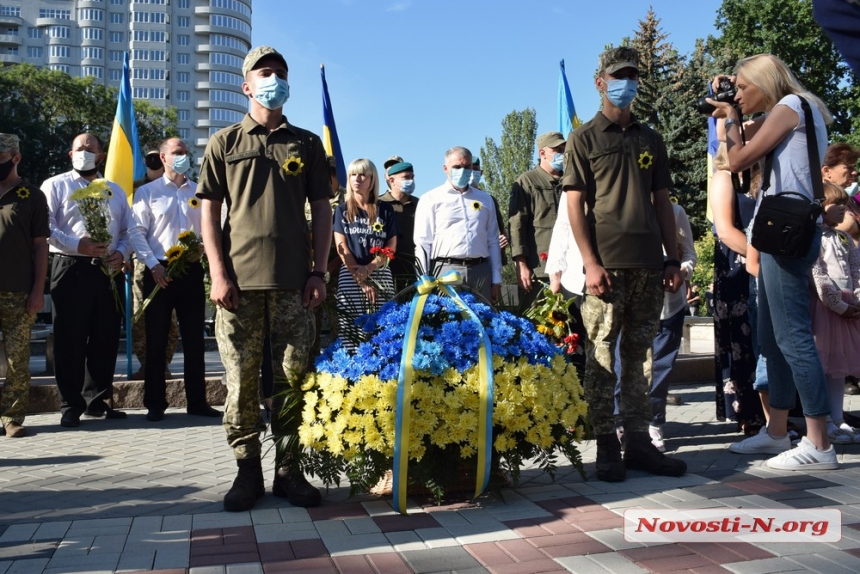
column 389, row 563
column 354, row 564
column 217, row 546
column 315, row 565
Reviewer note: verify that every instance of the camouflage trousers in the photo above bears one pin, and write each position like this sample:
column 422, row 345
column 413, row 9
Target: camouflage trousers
column 631, row 308
column 15, row 323
column 138, row 329
column 240, row 333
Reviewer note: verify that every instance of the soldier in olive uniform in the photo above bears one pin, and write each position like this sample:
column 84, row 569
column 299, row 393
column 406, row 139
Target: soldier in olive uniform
column 616, row 176
column 265, row 279
column 401, row 186
column 24, row 260
column 532, row 212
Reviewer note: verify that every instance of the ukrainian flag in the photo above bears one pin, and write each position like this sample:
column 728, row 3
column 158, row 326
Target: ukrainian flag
column 124, row 159
column 567, row 118
column 330, row 141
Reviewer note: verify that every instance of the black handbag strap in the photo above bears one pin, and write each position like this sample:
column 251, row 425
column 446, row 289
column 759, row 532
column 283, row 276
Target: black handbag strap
column 738, row 185
column 811, row 148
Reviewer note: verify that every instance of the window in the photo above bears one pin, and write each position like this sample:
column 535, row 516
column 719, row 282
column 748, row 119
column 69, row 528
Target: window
column 183, row 21
column 227, row 96
column 183, row 115
column 140, row 54
column 226, row 78
column 141, row 17
column 157, row 74
column 115, row 55
column 156, row 93
column 182, row 77
column 60, row 52
column 229, row 41
column 140, row 93
column 58, row 31
column 94, row 34
column 116, row 2
column 34, row 52
column 59, row 67
column 140, row 74
column 157, row 55
column 116, row 18
column 183, row 95
column 16, row 11
column 34, row 33
column 218, row 115
column 225, row 60
column 114, row 75
column 158, row 18
column 183, row 39
column 141, row 36
column 229, row 22
column 182, row 4
column 183, row 58
column 94, row 71
column 184, row 133
column 13, row 51
column 94, row 14
column 233, row 5
column 55, row 13
column 11, row 31
column 158, row 36
column 92, row 53
column 116, row 37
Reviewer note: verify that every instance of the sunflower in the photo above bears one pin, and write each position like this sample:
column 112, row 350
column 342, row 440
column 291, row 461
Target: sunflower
column 293, row 165
column 184, row 235
column 23, row 192
column 476, row 205
column 194, row 203
column 646, row 160
column 174, row 253
column 377, row 226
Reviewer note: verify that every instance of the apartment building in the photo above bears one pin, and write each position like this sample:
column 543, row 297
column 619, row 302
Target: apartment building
column 183, row 53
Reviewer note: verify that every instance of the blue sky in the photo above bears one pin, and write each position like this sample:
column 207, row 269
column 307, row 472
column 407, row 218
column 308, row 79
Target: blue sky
column 416, row 77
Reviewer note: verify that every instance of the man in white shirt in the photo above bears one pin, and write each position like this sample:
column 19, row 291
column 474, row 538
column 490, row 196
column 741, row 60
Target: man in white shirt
column 163, row 209
column 85, row 315
column 456, row 229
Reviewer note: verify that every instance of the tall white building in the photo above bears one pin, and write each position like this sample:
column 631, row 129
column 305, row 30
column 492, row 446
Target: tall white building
column 183, row 53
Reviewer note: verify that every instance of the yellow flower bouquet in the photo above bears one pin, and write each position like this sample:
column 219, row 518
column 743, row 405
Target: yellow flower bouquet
column 350, row 418
column 189, row 249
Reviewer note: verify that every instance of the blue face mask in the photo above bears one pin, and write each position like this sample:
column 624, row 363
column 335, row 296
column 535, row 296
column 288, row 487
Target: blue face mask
column 460, row 176
column 181, row 164
column 407, row 186
column 272, row 92
column 476, row 178
column 851, row 190
column 621, row 92
column 557, row 161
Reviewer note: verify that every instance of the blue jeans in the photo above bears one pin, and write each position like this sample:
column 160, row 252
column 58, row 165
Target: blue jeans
column 785, row 333
column 760, row 383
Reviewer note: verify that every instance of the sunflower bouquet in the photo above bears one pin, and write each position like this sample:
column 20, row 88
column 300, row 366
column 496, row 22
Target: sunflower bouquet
column 350, row 418
column 550, row 313
column 92, row 201
column 188, row 249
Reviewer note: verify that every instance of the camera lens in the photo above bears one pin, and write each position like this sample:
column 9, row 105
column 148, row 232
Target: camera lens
column 703, row 107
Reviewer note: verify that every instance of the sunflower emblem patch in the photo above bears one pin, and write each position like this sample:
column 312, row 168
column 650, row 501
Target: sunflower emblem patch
column 377, row 226
column 646, row 160
column 476, row 205
column 23, row 192
column 293, row 165
column 194, row 203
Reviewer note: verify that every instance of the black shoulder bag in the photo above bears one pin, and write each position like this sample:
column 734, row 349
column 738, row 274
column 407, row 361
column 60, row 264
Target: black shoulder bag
column 785, row 222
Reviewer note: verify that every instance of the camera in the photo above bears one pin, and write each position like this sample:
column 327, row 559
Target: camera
column 725, row 94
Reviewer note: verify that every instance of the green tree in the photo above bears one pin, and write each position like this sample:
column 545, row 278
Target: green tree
column 155, row 124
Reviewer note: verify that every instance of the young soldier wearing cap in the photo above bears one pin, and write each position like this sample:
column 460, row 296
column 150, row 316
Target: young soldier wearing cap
column 616, row 176
column 532, row 211
column 24, row 261
column 401, row 185
column 265, row 276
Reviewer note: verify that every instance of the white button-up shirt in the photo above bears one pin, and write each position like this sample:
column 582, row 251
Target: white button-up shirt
column 459, row 225
column 161, row 212
column 65, row 220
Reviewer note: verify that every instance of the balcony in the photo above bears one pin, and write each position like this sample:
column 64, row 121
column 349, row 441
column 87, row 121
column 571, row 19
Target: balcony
column 10, row 59
column 206, row 104
column 10, row 39
column 11, row 21
column 206, row 10
column 42, row 22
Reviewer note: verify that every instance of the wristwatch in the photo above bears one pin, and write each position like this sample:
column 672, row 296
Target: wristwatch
column 324, row 275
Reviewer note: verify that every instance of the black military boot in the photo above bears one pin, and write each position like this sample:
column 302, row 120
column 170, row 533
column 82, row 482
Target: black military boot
column 291, row 484
column 248, row 486
column 610, row 467
column 641, row 454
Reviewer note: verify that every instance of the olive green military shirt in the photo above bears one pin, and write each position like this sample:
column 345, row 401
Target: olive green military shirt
column 23, row 218
column 618, row 171
column 403, row 264
column 265, row 178
column 531, row 215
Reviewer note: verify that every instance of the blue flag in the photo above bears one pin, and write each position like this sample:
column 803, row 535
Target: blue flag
column 330, row 141
column 567, row 118
column 125, row 159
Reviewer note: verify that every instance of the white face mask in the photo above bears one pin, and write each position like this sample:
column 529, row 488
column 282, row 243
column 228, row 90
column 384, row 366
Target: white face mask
column 852, row 189
column 83, row 160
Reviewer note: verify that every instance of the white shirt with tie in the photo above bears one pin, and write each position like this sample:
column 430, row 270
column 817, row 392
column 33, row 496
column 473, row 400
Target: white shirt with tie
column 449, row 223
column 161, row 212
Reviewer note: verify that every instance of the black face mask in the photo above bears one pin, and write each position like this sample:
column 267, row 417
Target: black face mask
column 6, row 169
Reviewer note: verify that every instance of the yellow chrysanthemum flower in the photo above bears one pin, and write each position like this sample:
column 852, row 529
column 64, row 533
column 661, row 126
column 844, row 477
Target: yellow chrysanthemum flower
column 174, row 253
column 646, row 160
column 194, row 203
column 293, row 165
column 23, row 192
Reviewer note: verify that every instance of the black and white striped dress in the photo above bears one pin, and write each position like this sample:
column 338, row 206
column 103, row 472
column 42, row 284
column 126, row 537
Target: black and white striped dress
column 352, row 302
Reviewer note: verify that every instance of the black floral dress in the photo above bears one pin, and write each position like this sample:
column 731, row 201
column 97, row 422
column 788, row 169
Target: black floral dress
column 733, row 347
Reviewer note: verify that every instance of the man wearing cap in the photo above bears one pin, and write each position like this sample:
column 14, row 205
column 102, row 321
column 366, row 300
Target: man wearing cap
column 388, row 163
column 24, row 261
column 164, row 210
column 532, row 211
column 401, row 185
column 268, row 271
column 616, row 176
column 456, row 229
column 85, row 314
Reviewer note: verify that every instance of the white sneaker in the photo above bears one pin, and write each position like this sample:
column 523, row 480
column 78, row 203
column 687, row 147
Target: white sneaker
column 761, row 443
column 839, row 436
column 805, row 457
column 850, row 431
column 656, row 433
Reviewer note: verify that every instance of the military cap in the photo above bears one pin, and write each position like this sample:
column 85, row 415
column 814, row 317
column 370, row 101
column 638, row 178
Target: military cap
column 476, row 161
column 9, row 142
column 615, row 59
column 398, row 167
column 391, row 161
column 550, row 139
column 258, row 54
